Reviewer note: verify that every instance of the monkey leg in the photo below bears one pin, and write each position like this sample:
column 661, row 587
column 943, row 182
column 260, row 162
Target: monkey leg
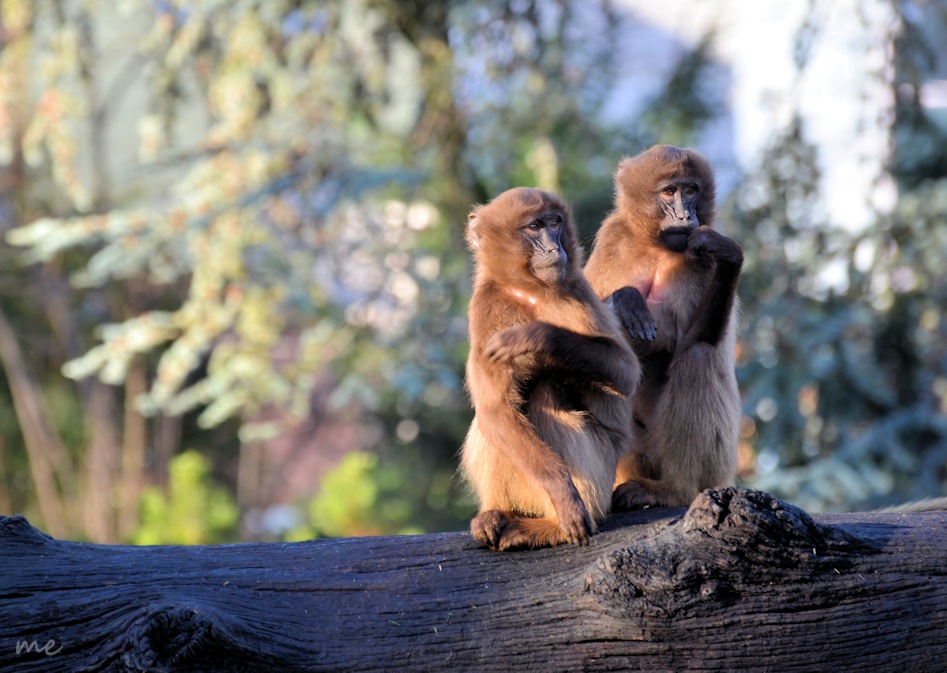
column 529, row 477
column 517, row 510
column 691, row 443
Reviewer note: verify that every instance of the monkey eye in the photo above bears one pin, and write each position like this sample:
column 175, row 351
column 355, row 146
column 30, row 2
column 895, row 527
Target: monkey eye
column 534, row 225
column 669, row 190
column 690, row 190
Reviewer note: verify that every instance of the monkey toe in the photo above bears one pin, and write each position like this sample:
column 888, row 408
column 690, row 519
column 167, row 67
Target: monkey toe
column 516, row 538
column 532, row 533
column 487, row 527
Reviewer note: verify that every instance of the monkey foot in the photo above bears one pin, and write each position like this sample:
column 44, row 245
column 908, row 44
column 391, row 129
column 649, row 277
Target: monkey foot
column 488, row 526
column 531, row 533
column 633, row 495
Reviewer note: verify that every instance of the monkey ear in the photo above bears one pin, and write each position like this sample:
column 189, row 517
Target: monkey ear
column 473, row 237
column 622, row 167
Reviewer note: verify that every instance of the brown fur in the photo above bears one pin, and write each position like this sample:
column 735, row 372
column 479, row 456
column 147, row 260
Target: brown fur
column 550, row 378
column 687, row 406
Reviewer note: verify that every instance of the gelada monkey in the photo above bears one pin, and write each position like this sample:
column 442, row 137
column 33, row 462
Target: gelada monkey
column 672, row 280
column 550, row 375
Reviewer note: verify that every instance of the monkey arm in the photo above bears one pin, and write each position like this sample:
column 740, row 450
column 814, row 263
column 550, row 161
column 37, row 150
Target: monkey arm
column 598, row 358
column 724, row 256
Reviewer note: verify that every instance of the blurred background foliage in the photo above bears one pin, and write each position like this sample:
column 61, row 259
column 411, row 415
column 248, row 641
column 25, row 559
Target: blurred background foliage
column 233, row 291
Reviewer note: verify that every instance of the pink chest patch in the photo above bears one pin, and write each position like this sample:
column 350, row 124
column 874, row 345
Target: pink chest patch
column 653, row 289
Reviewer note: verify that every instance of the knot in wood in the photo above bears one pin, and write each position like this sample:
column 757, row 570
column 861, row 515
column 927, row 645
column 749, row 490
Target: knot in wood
column 730, row 540
column 743, row 516
column 166, row 637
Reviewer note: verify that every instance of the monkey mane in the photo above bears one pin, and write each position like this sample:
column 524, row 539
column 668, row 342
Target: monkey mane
column 637, row 179
column 493, row 233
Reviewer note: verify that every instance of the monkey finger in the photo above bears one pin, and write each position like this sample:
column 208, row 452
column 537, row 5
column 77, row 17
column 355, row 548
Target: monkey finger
column 509, row 344
column 641, row 329
column 576, row 535
column 651, row 331
column 632, row 309
column 498, row 349
column 578, row 526
column 676, row 239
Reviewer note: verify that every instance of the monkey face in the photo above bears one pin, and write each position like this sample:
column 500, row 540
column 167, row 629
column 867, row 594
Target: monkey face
column 666, row 192
column 677, row 201
column 524, row 235
column 543, row 239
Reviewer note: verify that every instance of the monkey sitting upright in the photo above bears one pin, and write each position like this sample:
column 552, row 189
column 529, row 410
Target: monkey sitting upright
column 550, row 377
column 681, row 312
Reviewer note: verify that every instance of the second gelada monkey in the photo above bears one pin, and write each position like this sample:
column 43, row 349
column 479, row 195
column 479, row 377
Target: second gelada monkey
column 681, row 314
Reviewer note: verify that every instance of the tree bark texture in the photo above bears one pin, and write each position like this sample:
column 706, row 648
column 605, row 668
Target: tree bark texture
column 740, row 581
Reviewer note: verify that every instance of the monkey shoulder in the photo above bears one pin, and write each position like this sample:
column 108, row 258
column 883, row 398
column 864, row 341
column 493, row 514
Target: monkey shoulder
column 493, row 309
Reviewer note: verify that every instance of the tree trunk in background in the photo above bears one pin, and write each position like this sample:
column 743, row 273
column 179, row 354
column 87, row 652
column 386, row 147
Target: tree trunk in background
column 249, row 469
column 167, row 440
column 6, row 505
column 100, row 464
column 134, row 440
column 43, row 446
column 741, row 581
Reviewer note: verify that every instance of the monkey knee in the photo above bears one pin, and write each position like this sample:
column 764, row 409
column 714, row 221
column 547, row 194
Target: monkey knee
column 697, row 353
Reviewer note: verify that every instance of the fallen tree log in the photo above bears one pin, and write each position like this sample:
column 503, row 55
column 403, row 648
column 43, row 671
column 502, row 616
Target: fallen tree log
column 740, row 581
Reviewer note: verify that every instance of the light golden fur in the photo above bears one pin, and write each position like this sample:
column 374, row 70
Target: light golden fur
column 550, row 378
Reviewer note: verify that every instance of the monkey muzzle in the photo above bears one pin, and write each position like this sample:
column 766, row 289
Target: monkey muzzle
column 549, row 265
column 675, row 238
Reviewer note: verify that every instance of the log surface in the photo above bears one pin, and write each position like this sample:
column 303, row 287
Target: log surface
column 740, row 581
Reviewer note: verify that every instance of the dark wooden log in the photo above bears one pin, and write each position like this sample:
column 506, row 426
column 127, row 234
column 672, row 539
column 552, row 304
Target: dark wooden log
column 740, row 581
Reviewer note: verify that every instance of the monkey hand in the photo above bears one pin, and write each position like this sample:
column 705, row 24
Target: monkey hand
column 706, row 246
column 632, row 309
column 675, row 238
column 512, row 342
column 575, row 522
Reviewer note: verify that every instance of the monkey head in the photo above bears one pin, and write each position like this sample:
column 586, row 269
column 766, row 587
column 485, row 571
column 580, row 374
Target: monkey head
column 525, row 235
column 665, row 192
